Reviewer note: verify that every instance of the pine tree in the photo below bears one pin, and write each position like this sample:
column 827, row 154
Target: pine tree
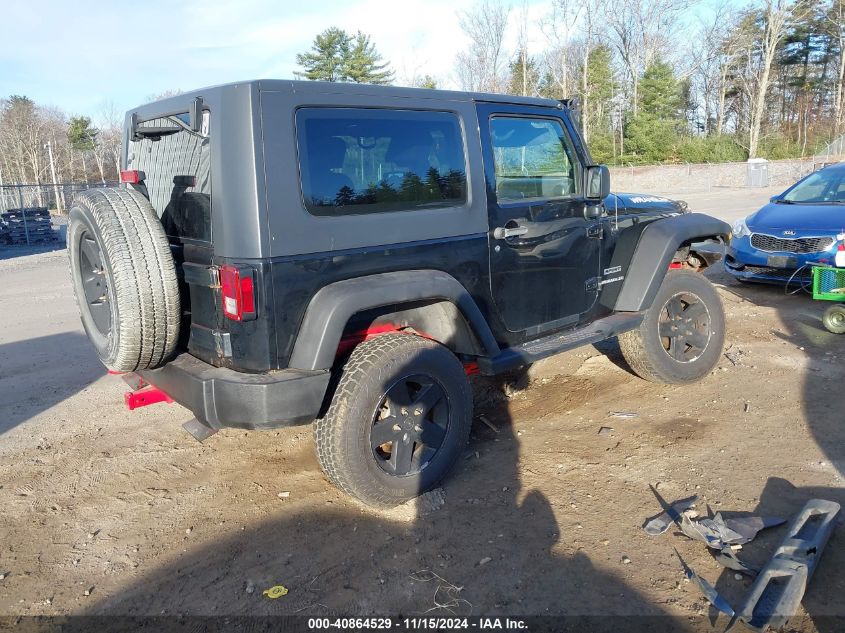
column 525, row 75
column 660, row 92
column 363, row 64
column 596, row 115
column 652, row 134
column 599, row 95
column 81, row 134
column 327, row 59
column 428, row 82
column 336, row 55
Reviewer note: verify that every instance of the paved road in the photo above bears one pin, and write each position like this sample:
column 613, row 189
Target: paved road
column 727, row 204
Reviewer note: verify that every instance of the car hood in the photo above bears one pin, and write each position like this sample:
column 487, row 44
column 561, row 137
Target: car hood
column 641, row 202
column 799, row 217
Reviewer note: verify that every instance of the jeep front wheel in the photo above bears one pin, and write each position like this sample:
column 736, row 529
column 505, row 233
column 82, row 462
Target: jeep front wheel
column 683, row 332
column 399, row 419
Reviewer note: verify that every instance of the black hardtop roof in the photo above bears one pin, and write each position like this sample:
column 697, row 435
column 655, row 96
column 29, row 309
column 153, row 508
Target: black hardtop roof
column 325, row 87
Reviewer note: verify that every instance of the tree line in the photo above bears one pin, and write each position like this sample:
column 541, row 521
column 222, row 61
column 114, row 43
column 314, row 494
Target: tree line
column 81, row 151
column 654, row 82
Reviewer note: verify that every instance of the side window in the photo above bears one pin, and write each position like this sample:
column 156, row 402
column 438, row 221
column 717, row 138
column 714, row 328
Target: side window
column 533, row 159
column 357, row 161
column 178, row 175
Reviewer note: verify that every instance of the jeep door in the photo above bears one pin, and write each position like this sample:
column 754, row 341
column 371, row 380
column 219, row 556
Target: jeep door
column 544, row 242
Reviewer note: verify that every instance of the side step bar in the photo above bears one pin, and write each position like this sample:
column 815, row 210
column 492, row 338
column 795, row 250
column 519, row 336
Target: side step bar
column 537, row 349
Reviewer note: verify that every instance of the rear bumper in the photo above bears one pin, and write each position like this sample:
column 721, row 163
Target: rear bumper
column 222, row 397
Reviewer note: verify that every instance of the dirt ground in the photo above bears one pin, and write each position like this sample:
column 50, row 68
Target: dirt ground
column 106, row 511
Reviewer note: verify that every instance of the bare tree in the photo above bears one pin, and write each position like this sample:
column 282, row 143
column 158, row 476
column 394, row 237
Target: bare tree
column 522, row 48
column 641, row 31
column 713, row 53
column 559, row 29
column 777, row 15
column 107, row 147
column 482, row 66
column 836, row 18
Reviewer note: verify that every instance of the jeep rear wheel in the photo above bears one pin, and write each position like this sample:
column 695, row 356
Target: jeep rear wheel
column 124, row 278
column 399, row 419
column 683, row 332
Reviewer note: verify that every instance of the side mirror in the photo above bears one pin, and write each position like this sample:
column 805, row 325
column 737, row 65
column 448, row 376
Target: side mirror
column 597, row 183
column 774, row 198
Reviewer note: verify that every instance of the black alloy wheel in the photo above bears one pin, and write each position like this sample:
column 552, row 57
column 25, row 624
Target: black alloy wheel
column 684, row 327
column 95, row 283
column 409, row 425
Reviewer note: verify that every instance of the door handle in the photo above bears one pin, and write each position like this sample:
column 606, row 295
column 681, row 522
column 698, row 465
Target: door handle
column 504, row 232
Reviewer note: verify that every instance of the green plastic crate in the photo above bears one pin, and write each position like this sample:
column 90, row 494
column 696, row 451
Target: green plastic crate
column 828, row 283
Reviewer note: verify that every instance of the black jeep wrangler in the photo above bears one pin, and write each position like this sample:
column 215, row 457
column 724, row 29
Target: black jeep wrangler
column 284, row 252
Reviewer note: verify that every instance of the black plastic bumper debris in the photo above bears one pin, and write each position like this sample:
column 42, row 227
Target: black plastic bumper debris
column 778, row 589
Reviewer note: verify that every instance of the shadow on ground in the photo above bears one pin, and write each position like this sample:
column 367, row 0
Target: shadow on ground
column 821, row 380
column 494, row 549
column 38, row 373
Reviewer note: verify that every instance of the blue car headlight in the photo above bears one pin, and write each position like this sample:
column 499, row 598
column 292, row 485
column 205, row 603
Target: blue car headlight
column 740, row 229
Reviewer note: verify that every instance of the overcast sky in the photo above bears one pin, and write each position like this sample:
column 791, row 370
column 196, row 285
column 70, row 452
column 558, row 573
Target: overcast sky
column 81, row 55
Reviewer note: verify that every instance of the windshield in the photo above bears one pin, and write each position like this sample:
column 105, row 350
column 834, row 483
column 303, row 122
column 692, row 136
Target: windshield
column 827, row 185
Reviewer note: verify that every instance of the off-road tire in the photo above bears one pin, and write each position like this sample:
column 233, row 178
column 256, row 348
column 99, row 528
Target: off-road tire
column 138, row 276
column 834, row 319
column 342, row 436
column 644, row 348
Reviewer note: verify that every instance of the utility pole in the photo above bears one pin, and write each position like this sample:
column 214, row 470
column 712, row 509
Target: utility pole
column 49, row 147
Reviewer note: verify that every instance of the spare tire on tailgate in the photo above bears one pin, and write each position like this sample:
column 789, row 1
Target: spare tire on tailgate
column 124, row 278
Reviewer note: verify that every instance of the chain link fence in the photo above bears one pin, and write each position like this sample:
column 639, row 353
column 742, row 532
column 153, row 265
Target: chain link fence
column 701, row 177
column 56, row 197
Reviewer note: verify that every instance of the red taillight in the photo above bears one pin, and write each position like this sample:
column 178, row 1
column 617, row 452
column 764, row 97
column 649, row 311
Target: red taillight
column 247, row 295
column 238, row 291
column 132, row 176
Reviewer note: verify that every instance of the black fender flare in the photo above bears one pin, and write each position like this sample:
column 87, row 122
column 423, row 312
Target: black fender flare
column 655, row 249
column 332, row 306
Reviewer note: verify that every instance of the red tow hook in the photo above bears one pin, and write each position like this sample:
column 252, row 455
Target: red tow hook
column 143, row 394
column 145, row 397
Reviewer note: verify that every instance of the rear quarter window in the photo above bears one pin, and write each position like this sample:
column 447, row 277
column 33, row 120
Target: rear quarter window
column 178, row 176
column 360, row 161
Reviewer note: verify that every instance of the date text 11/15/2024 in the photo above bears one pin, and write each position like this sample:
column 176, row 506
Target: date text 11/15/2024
column 417, row 624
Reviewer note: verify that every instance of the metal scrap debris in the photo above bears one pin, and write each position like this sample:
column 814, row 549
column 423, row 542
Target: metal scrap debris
column 748, row 527
column 726, row 558
column 707, row 589
column 718, row 533
column 734, row 355
column 489, row 424
column 671, row 514
column 626, row 415
column 779, row 587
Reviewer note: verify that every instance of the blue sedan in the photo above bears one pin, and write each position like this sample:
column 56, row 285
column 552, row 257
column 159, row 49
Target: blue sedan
column 803, row 226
